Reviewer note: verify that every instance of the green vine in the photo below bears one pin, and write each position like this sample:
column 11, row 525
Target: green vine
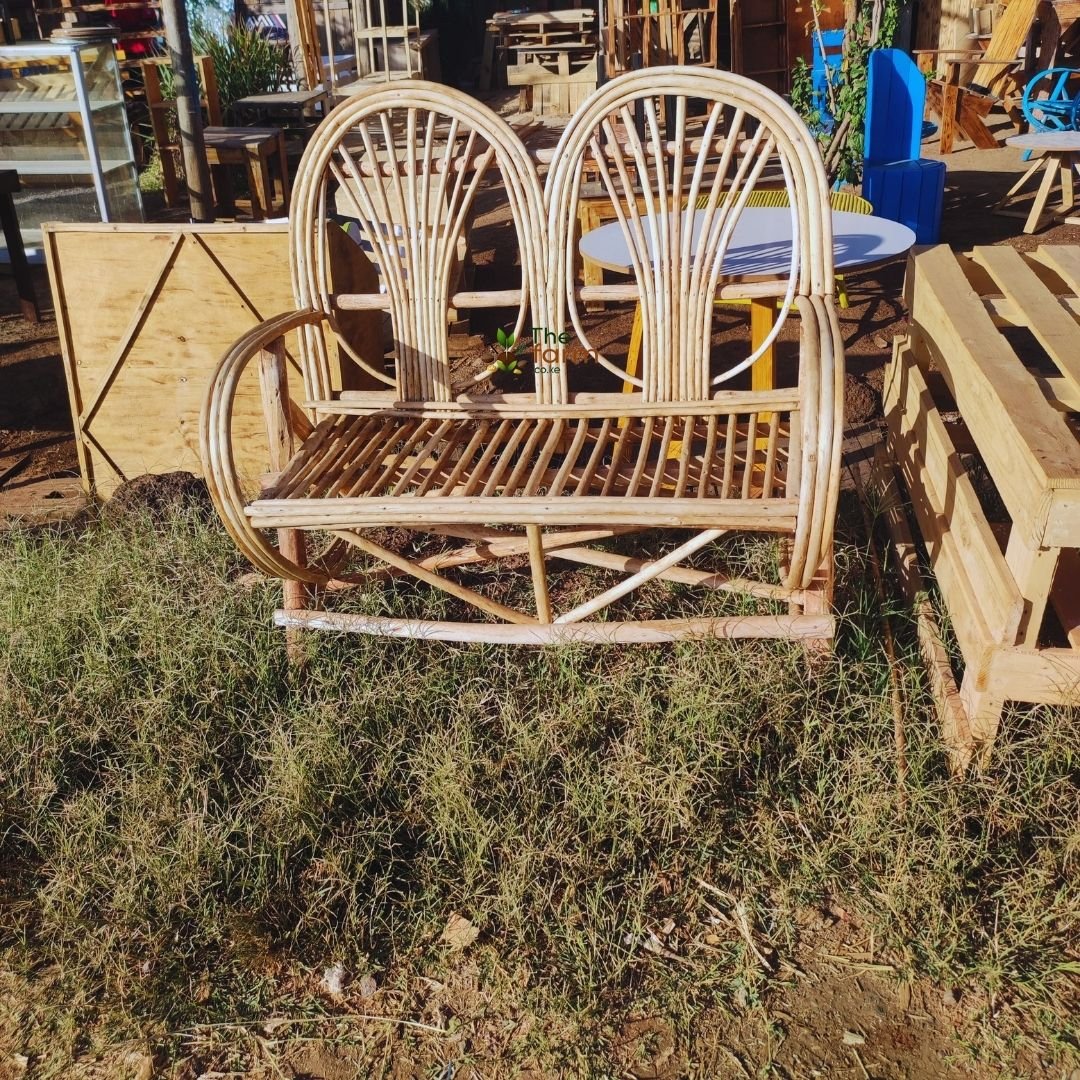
column 841, row 140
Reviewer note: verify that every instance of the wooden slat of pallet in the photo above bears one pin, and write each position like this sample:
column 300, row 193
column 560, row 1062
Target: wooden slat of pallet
column 963, row 550
column 955, row 730
column 1064, row 260
column 1027, row 446
column 1053, row 326
column 1038, row 676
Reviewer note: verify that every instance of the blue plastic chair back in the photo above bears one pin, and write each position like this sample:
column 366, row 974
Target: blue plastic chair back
column 895, row 100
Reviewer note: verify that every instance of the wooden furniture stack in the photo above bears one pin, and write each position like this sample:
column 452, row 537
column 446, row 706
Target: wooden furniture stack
column 760, row 48
column 137, row 25
column 652, row 33
column 976, row 80
column 385, row 50
column 544, row 468
column 551, row 56
column 981, row 403
column 506, row 32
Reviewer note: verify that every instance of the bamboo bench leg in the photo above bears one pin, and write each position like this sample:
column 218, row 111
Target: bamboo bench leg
column 295, row 594
column 274, row 389
column 818, row 600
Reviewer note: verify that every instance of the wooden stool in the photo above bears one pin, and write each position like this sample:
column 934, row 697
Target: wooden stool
column 252, row 148
column 1060, row 155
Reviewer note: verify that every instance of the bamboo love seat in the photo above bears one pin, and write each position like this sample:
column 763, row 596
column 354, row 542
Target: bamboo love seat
column 545, row 473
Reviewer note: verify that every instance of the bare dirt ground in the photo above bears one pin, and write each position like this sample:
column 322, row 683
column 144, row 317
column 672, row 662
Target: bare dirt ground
column 835, row 1007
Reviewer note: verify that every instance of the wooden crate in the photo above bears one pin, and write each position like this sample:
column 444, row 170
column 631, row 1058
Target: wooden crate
column 553, row 84
column 981, row 404
column 145, row 312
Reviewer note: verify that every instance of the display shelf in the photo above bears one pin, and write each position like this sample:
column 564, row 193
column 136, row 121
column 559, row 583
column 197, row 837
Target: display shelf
column 64, row 128
column 9, row 105
column 60, row 166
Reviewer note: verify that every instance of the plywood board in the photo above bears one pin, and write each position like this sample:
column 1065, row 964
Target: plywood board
column 145, row 313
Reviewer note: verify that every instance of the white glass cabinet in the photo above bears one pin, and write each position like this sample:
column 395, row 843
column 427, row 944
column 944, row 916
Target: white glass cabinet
column 64, row 128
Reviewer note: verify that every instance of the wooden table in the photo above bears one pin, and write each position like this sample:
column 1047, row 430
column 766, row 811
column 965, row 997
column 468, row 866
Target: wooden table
column 1060, row 154
column 296, row 112
column 760, row 248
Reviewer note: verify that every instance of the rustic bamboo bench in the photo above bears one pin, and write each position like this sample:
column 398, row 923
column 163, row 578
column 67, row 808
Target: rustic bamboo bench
column 548, row 472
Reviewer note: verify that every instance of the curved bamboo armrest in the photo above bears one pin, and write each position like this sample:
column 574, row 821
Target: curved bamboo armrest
column 265, row 342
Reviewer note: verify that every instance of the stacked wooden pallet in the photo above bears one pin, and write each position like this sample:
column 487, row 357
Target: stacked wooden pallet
column 982, row 402
column 551, row 56
column 660, row 32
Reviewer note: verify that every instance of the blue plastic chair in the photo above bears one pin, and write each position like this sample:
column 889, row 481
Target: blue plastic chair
column 901, row 185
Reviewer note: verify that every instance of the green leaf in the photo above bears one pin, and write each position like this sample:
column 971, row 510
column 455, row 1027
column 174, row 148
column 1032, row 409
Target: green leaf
column 500, row 337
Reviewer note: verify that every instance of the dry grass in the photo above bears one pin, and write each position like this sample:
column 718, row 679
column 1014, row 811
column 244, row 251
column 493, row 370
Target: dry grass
column 190, row 835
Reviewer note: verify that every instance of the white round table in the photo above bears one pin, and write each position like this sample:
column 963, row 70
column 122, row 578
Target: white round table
column 760, row 246
column 761, row 243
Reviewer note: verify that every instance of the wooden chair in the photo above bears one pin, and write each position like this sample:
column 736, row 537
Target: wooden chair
column 549, row 471
column 991, row 79
column 252, row 149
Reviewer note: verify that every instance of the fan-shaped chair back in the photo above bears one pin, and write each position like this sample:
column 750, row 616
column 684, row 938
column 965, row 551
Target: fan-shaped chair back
column 402, row 166
column 679, row 189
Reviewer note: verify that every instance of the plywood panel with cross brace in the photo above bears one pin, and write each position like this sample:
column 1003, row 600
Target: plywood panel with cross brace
column 144, row 315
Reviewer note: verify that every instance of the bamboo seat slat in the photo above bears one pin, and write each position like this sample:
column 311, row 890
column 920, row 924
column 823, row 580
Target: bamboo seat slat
column 371, row 457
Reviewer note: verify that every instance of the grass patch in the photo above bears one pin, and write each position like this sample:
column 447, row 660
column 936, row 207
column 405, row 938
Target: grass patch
column 191, row 833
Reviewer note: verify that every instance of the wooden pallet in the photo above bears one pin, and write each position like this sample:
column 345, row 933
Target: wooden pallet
column 988, row 382
column 555, row 80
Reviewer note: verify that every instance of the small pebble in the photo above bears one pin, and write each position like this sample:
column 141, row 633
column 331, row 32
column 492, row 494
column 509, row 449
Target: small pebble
column 333, row 980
